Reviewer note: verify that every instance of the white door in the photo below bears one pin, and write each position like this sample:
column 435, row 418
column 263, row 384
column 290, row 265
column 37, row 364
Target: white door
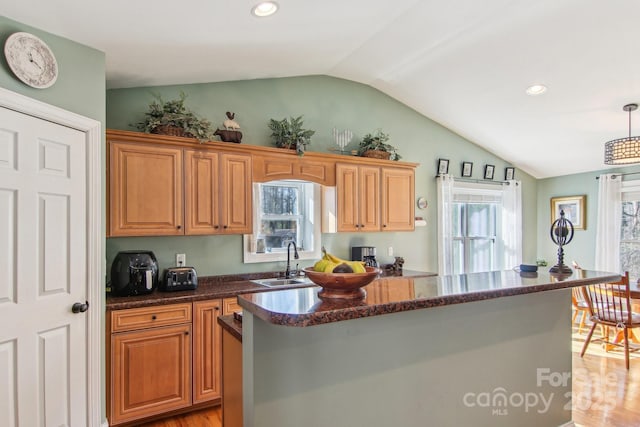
column 43, row 272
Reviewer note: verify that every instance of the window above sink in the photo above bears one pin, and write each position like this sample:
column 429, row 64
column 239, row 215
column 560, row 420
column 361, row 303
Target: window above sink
column 284, row 211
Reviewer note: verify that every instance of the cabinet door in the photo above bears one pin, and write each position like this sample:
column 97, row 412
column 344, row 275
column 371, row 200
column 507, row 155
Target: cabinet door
column 151, row 372
column 145, row 190
column 236, row 194
column 230, row 305
column 347, row 197
column 369, row 198
column 207, row 349
column 398, row 193
column 202, row 194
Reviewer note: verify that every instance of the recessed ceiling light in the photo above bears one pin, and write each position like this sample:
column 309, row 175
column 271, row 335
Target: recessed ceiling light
column 536, row 90
column 265, row 8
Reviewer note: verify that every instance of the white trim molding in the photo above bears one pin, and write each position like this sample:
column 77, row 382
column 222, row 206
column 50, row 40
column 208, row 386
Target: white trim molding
column 95, row 240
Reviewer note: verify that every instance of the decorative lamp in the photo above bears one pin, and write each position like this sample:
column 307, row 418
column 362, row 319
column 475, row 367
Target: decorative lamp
column 561, row 235
column 624, row 150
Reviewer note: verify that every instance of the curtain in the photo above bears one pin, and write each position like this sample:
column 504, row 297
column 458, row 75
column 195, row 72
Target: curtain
column 445, row 224
column 609, row 223
column 512, row 224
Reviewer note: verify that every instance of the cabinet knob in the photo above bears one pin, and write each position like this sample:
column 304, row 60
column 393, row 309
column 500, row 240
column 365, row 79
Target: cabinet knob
column 154, row 317
column 216, row 226
column 178, row 227
column 186, row 332
column 384, row 225
column 225, row 226
column 361, row 225
column 217, row 308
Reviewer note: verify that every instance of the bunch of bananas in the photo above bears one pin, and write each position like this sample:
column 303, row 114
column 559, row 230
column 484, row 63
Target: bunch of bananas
column 332, row 264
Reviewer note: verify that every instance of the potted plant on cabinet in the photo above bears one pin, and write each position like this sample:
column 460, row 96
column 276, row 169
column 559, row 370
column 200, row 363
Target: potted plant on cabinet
column 289, row 133
column 173, row 118
column 374, row 145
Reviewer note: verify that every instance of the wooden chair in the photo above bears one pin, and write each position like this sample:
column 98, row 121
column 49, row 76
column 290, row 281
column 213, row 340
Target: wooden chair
column 580, row 306
column 610, row 305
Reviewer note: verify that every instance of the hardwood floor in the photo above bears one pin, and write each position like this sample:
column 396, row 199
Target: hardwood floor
column 605, row 394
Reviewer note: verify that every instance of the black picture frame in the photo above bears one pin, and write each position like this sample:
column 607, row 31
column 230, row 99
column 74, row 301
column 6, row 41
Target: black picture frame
column 443, row 166
column 467, row 169
column 488, row 171
column 509, row 173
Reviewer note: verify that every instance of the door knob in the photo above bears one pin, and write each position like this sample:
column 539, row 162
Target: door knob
column 80, row 307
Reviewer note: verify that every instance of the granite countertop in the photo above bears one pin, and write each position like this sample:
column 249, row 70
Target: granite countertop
column 303, row 307
column 231, row 325
column 214, row 287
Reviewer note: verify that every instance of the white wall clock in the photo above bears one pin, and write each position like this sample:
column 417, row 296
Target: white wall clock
column 31, row 60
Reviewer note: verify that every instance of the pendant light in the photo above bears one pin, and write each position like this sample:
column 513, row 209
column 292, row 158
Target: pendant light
column 624, row 150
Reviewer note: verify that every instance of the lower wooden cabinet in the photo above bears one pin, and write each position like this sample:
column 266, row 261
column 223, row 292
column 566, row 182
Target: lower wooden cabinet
column 164, row 358
column 150, row 370
column 206, row 350
column 231, row 380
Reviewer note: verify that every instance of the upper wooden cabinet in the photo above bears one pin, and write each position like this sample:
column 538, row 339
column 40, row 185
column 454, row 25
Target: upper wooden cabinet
column 145, row 190
column 218, row 193
column 358, row 197
column 162, row 186
column 155, row 189
column 362, row 205
column 398, row 194
column 270, row 167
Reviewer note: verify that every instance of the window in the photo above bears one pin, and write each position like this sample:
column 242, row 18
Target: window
column 284, row 211
column 475, row 237
column 479, row 226
column 630, row 230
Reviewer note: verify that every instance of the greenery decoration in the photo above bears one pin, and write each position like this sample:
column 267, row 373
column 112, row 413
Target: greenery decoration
column 377, row 141
column 174, row 114
column 289, row 133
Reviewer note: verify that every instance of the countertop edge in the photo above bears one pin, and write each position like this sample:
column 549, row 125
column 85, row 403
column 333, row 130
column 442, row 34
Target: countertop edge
column 351, row 311
column 231, row 325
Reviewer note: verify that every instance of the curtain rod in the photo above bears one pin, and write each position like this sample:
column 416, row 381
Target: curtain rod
column 481, row 181
column 615, row 175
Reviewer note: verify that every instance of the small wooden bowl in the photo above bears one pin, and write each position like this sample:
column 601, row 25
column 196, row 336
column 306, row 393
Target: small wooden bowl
column 342, row 285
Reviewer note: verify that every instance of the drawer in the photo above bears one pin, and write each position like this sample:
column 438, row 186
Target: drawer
column 150, row 317
column 229, row 305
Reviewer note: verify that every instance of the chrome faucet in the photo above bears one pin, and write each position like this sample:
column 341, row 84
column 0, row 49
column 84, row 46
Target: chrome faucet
column 288, row 273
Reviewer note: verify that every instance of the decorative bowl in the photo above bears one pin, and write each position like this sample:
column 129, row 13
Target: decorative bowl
column 342, row 285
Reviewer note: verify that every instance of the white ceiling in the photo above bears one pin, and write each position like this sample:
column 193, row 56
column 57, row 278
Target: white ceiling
column 463, row 63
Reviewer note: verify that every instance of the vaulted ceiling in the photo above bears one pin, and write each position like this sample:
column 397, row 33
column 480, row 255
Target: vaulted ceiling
column 463, row 63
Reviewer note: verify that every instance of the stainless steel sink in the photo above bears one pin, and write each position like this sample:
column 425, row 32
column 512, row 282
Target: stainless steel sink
column 278, row 281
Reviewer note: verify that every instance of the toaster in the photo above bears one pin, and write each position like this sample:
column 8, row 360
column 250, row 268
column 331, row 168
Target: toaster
column 179, row 279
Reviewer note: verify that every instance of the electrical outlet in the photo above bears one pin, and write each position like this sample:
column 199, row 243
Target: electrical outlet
column 390, row 251
column 181, row 260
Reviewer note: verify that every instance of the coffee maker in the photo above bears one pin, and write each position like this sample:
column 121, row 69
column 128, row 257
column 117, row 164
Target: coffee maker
column 366, row 254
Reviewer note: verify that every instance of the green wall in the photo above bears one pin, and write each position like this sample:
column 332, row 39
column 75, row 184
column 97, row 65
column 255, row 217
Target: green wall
column 582, row 247
column 81, row 81
column 325, row 102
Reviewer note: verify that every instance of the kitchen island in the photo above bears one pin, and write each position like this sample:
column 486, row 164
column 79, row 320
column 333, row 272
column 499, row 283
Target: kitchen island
column 479, row 349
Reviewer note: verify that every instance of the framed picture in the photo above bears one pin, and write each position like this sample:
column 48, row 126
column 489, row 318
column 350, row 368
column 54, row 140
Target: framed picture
column 509, row 173
column 488, row 171
column 574, row 210
column 467, row 169
column 443, row 166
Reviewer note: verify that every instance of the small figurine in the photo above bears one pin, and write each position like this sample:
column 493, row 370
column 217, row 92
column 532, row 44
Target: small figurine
column 230, row 132
column 231, row 124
